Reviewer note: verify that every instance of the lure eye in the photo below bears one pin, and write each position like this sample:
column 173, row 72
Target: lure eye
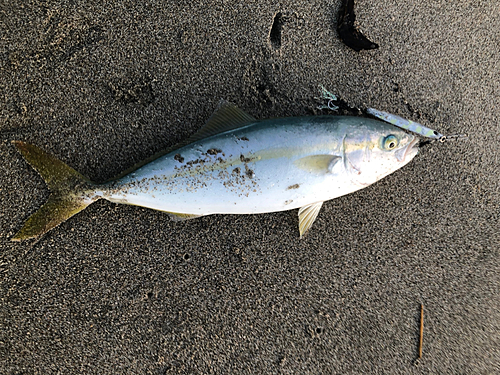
column 390, row 142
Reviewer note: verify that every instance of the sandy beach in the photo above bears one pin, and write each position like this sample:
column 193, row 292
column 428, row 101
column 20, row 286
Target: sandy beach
column 119, row 289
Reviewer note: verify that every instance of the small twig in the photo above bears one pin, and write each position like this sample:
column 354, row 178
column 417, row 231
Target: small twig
column 421, row 331
column 421, row 341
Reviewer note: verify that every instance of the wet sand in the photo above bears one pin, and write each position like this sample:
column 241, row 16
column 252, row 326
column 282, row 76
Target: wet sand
column 121, row 289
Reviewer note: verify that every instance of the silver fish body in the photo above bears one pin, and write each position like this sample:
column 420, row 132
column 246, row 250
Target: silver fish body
column 266, row 166
column 237, row 165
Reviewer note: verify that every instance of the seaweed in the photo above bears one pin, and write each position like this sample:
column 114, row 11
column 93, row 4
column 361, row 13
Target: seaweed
column 348, row 32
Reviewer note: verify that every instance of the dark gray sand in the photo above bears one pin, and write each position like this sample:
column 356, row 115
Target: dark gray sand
column 119, row 289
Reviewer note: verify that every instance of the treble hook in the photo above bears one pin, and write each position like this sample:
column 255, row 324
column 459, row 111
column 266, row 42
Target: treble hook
column 327, row 95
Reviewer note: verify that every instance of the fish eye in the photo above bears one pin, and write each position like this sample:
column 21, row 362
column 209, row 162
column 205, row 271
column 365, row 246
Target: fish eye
column 390, row 142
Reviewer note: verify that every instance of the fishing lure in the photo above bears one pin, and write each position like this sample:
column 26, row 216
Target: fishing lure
column 395, row 120
column 403, row 123
column 324, row 94
column 412, row 126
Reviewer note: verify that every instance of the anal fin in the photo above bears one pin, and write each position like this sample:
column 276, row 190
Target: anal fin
column 176, row 216
column 307, row 216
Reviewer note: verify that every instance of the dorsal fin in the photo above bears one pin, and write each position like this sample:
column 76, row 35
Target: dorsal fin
column 226, row 117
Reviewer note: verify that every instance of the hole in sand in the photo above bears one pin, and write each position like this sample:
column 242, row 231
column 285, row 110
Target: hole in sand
column 275, row 33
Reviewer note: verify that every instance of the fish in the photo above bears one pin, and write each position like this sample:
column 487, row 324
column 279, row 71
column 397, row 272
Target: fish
column 235, row 164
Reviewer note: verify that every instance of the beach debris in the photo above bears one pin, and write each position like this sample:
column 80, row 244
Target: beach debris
column 421, row 336
column 348, row 32
column 421, row 341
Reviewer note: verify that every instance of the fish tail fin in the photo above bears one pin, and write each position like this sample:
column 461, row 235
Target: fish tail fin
column 67, row 188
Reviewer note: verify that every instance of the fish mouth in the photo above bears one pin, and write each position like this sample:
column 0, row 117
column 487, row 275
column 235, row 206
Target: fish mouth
column 404, row 152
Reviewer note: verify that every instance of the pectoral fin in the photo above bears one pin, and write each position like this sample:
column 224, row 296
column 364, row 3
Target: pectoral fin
column 319, row 163
column 307, row 215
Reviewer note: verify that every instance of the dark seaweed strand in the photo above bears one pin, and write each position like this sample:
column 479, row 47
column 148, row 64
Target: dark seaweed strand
column 348, row 33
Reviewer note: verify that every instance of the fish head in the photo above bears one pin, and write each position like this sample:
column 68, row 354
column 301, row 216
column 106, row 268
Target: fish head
column 375, row 151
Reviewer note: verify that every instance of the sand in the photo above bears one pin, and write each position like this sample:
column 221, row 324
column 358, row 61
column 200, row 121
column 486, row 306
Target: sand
column 119, row 289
